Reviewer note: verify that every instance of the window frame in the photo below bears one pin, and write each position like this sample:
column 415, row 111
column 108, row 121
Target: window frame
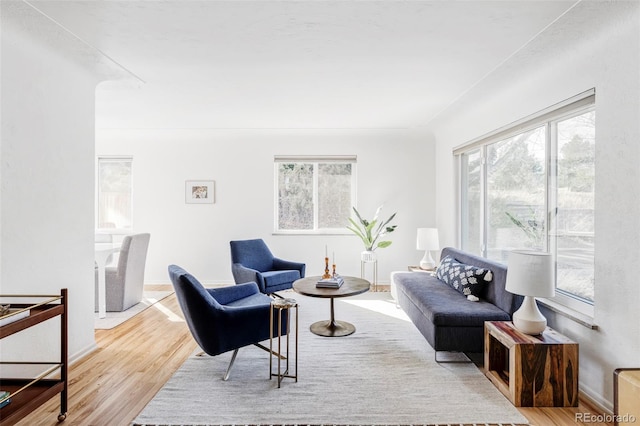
column 573, row 302
column 550, row 117
column 315, row 160
column 111, row 158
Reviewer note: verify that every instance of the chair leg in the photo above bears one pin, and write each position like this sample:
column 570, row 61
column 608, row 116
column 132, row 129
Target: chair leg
column 233, row 358
column 235, row 353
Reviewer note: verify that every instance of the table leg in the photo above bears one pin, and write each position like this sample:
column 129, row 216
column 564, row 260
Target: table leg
column 375, row 275
column 332, row 328
column 332, row 321
column 271, row 308
column 102, row 288
column 375, row 272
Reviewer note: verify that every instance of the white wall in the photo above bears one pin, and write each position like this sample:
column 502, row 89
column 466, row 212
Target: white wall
column 597, row 44
column 395, row 168
column 47, row 151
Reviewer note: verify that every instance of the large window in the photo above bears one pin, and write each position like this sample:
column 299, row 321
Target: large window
column 532, row 187
column 572, row 232
column 314, row 194
column 114, row 193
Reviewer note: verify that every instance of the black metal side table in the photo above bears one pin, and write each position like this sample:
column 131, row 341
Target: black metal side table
column 280, row 305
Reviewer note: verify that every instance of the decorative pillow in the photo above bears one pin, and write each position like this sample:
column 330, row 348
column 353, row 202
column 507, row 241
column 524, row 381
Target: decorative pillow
column 467, row 279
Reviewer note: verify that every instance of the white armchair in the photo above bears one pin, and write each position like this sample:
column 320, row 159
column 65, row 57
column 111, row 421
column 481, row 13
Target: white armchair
column 125, row 282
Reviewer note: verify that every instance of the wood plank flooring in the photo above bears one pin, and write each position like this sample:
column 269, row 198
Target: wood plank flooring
column 112, row 385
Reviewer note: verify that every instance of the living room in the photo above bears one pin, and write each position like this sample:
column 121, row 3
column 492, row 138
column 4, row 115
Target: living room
column 54, row 125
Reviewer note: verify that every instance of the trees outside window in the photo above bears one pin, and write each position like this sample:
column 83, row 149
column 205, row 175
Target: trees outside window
column 114, row 193
column 534, row 189
column 574, row 192
column 314, row 194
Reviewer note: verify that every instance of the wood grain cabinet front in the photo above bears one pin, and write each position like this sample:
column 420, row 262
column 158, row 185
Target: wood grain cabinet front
column 532, row 371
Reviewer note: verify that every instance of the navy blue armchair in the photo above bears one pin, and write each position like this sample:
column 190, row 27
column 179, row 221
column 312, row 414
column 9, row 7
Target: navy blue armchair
column 251, row 260
column 226, row 318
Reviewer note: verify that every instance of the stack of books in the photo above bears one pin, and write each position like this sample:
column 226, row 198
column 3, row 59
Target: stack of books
column 334, row 282
column 4, row 398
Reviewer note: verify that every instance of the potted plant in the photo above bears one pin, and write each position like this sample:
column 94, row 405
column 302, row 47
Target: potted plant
column 370, row 232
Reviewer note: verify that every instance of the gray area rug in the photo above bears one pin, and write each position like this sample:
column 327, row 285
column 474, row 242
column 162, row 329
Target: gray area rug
column 385, row 373
column 114, row 319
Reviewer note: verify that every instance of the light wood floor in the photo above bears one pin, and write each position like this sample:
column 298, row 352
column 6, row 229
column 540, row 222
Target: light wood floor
column 112, row 385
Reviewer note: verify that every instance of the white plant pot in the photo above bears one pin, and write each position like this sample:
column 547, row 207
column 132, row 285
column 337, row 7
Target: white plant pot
column 368, row 256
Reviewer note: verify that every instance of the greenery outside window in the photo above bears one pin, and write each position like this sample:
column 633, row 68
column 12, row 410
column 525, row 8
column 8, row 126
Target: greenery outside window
column 314, row 194
column 114, row 194
column 531, row 186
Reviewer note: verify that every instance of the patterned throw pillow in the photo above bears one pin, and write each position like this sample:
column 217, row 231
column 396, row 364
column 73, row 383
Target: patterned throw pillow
column 467, row 279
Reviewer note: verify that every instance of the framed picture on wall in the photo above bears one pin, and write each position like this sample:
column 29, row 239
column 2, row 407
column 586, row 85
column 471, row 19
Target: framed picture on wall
column 200, row 192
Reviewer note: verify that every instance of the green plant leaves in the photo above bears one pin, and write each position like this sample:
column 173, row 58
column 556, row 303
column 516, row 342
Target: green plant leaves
column 368, row 232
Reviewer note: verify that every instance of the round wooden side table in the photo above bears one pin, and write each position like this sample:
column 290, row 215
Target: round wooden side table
column 332, row 327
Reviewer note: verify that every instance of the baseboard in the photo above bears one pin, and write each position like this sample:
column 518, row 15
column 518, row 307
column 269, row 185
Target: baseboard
column 220, row 283
column 206, row 283
column 82, row 353
column 595, row 400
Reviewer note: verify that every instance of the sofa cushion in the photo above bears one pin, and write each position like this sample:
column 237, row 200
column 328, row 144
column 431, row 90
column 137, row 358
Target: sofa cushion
column 467, row 279
column 442, row 305
column 494, row 291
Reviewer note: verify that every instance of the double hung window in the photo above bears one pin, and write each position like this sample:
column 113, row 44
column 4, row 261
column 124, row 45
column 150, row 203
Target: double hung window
column 531, row 186
column 114, row 193
column 314, row 194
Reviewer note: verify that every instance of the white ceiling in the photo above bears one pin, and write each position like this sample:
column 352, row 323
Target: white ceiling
column 295, row 64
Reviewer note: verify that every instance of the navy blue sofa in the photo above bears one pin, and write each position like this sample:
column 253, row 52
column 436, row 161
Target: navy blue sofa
column 444, row 316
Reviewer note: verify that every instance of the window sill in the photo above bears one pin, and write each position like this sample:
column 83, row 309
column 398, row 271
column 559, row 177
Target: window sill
column 114, row 231
column 310, row 232
column 579, row 317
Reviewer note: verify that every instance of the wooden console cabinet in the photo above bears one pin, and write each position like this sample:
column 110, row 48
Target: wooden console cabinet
column 532, row 371
column 26, row 394
column 626, row 394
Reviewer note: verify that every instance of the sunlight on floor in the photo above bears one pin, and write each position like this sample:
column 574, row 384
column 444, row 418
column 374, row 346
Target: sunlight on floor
column 168, row 312
column 385, row 307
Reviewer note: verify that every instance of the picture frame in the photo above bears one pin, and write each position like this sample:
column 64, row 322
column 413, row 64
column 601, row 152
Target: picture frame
column 199, row 192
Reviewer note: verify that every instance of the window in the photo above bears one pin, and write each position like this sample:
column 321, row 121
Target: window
column 572, row 232
column 472, row 213
column 114, row 194
column 314, row 194
column 515, row 191
column 531, row 186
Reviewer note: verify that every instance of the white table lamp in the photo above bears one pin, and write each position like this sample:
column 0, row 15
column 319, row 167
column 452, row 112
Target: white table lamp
column 530, row 274
column 427, row 240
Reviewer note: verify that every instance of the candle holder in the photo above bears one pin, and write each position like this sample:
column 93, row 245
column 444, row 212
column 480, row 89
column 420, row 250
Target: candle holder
column 326, row 269
column 334, row 271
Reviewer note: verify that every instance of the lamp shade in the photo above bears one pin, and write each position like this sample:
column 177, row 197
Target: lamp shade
column 427, row 239
column 530, row 273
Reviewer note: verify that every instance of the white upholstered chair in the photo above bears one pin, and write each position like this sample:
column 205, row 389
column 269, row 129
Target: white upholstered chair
column 125, row 281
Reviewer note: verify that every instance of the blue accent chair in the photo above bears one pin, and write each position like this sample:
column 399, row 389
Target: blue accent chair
column 224, row 319
column 251, row 260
